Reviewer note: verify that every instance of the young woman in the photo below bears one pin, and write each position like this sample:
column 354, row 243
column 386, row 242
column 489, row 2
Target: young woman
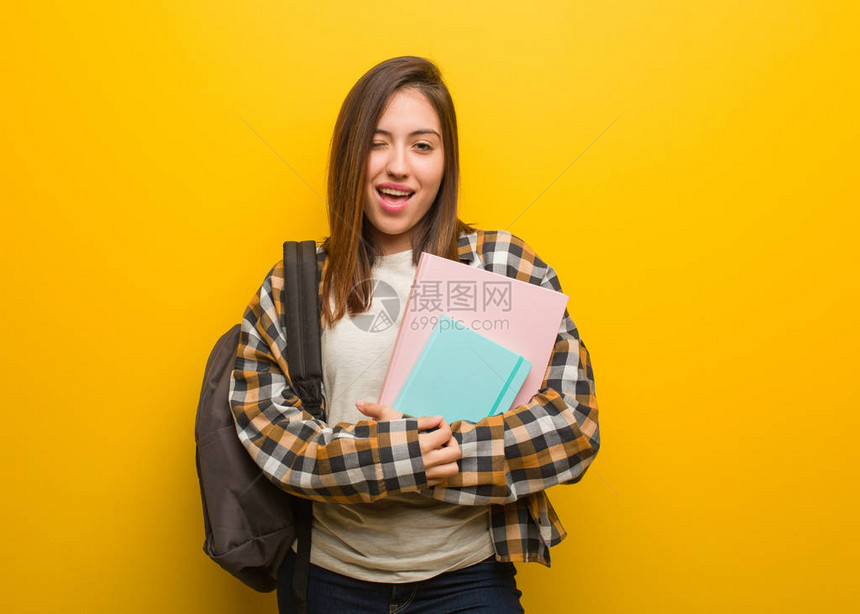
column 410, row 514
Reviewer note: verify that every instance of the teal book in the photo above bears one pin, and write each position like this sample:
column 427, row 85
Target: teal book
column 462, row 375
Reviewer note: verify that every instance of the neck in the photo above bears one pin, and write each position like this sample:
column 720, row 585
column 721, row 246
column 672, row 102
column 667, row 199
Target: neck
column 395, row 244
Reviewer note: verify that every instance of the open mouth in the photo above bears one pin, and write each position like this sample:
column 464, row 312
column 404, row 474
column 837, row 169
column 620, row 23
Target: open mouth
column 393, row 201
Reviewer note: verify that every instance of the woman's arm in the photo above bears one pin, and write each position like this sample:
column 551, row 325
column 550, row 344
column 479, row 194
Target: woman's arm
column 347, row 463
column 550, row 440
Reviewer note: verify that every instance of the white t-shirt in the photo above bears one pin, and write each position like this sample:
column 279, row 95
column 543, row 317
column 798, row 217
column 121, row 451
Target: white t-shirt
column 399, row 538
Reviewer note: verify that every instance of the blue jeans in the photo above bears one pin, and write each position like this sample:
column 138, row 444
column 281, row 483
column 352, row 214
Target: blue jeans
column 486, row 588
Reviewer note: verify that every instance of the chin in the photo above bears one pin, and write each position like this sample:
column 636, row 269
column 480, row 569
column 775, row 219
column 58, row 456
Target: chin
column 393, row 231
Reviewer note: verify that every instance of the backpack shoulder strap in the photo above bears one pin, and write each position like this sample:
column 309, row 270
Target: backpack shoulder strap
column 304, row 360
column 301, row 323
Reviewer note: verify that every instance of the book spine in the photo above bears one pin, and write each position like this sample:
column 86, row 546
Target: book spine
column 504, row 392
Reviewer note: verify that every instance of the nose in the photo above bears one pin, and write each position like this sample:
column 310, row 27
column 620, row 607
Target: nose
column 398, row 164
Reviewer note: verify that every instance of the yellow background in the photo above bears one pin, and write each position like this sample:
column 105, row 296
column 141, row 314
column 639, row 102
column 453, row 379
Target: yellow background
column 688, row 169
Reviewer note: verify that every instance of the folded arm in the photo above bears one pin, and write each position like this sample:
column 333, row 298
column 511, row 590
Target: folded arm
column 347, row 463
column 550, row 440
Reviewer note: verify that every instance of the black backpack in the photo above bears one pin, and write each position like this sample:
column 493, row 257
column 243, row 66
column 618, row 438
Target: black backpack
column 250, row 523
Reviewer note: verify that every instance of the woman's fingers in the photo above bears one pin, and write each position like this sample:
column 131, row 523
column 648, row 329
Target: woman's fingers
column 441, row 456
column 440, row 472
column 426, row 423
column 440, row 461
column 430, row 440
column 439, row 449
column 378, row 412
column 453, row 445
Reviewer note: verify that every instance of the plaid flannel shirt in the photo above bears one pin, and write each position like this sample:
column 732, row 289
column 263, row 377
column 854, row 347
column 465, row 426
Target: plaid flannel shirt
column 508, row 460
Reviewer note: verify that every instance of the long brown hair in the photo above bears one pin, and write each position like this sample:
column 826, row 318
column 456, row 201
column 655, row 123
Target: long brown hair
column 351, row 248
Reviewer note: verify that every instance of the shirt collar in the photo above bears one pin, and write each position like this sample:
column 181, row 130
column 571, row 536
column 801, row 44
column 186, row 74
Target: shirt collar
column 466, row 249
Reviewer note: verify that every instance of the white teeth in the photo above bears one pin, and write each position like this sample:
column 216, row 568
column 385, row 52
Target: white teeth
column 394, row 192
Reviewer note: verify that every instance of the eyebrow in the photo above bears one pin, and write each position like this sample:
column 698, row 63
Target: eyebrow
column 413, row 133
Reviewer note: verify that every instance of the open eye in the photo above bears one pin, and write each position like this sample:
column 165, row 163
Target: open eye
column 426, row 146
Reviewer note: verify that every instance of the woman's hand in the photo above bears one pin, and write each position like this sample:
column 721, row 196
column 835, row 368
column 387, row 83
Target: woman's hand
column 439, row 449
column 378, row 412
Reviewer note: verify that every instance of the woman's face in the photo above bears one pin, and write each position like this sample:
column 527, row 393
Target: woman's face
column 406, row 156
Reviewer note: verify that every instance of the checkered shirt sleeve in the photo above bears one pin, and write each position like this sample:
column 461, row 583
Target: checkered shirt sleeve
column 550, row 440
column 347, row 463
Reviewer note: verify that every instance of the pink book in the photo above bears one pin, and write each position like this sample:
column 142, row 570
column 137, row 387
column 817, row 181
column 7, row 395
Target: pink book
column 523, row 317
